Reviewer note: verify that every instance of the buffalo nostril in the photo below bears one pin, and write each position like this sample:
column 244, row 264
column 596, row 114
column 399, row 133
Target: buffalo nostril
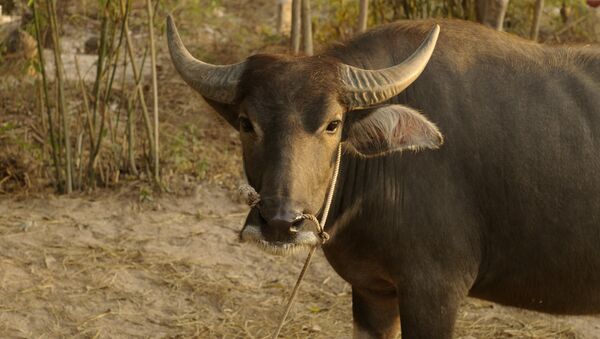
column 296, row 224
column 282, row 229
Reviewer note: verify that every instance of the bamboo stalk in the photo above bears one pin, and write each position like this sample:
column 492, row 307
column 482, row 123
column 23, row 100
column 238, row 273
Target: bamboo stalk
column 138, row 75
column 99, row 66
column 112, row 57
column 94, row 143
column 61, row 95
column 130, row 128
column 131, row 139
column 79, row 181
column 86, row 103
column 51, row 131
column 154, row 91
column 131, row 119
column 39, row 107
column 122, row 99
column 44, row 126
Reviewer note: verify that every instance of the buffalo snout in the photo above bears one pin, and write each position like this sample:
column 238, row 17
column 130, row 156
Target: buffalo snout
column 276, row 227
column 281, row 220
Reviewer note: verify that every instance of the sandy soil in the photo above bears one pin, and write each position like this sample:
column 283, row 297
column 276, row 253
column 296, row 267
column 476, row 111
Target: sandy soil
column 130, row 265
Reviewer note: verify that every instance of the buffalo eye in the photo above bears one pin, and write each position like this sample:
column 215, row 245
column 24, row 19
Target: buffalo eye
column 333, row 126
column 246, row 125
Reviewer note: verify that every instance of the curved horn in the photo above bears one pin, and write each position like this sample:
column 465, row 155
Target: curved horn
column 363, row 88
column 215, row 82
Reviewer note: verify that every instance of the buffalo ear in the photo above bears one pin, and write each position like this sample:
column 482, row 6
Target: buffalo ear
column 390, row 128
column 227, row 111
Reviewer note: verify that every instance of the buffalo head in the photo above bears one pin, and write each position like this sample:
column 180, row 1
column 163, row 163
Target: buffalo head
column 291, row 113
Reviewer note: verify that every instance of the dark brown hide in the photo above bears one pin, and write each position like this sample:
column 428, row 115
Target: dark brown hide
column 507, row 210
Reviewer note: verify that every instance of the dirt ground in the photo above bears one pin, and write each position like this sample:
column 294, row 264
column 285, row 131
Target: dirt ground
column 122, row 265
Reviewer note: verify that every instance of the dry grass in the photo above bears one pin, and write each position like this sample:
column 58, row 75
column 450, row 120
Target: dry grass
column 110, row 266
column 77, row 269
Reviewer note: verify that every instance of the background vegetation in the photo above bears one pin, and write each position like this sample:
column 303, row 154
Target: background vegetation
column 92, row 123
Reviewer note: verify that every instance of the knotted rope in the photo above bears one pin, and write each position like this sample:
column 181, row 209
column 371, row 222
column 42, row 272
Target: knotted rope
column 253, row 198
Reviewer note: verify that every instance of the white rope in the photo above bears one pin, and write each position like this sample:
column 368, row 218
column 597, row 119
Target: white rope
column 253, row 198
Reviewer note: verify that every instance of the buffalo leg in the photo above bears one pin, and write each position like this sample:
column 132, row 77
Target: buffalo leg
column 428, row 312
column 375, row 314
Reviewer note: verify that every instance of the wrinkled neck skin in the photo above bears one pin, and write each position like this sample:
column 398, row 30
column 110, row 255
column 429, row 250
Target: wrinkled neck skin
column 367, row 207
column 389, row 216
column 367, row 189
column 382, row 202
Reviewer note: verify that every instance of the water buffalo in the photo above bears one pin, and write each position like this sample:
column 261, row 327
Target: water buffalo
column 504, row 207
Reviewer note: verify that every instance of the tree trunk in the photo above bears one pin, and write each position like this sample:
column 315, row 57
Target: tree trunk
column 296, row 15
column 537, row 14
column 307, row 27
column 363, row 14
column 491, row 12
column 283, row 16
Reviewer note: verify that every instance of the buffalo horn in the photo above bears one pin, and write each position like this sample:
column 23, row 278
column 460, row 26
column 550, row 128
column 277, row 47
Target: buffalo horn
column 363, row 88
column 215, row 82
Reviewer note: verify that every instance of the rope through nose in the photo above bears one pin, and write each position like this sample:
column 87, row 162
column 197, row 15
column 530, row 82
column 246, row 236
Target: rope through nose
column 324, row 236
column 253, row 198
